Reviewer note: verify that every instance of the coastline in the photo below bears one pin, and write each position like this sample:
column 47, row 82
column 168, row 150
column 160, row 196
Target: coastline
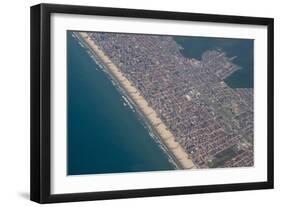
column 165, row 135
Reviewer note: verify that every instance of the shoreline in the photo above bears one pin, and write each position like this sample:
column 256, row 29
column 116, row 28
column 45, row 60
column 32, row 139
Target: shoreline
column 167, row 138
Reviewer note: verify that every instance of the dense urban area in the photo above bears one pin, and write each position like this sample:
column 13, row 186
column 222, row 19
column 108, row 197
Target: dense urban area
column 212, row 121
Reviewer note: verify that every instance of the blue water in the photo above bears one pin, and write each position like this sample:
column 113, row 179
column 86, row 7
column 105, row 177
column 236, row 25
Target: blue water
column 104, row 136
column 194, row 47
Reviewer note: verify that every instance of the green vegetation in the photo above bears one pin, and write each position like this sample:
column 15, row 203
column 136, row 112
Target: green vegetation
column 222, row 157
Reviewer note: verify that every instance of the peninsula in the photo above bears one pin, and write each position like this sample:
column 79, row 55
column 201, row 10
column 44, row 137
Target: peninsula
column 202, row 121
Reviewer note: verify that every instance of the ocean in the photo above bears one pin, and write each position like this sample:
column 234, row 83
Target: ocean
column 104, row 134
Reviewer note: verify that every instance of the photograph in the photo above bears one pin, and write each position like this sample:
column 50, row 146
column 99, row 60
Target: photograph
column 146, row 102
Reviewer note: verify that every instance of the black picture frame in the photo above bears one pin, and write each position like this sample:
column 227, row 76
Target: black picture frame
column 40, row 184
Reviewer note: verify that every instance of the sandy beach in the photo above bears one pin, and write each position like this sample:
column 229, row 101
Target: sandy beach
column 167, row 137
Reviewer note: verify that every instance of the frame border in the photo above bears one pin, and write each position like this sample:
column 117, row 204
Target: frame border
column 40, row 146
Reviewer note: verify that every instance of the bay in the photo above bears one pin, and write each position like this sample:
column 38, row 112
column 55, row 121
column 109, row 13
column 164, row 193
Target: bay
column 243, row 49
